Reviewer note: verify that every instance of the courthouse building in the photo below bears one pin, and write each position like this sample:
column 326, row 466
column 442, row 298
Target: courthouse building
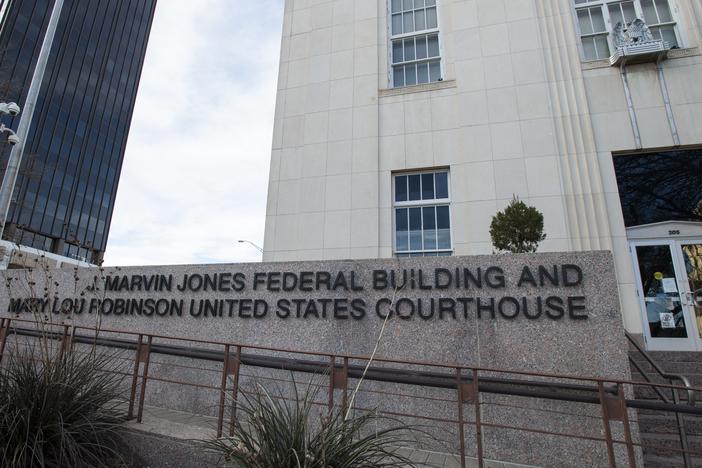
column 403, row 126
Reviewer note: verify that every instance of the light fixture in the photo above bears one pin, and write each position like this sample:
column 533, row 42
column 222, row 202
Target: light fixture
column 251, row 243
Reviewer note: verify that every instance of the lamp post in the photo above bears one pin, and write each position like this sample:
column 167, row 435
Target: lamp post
column 18, row 139
column 251, row 243
column 12, row 138
column 10, row 108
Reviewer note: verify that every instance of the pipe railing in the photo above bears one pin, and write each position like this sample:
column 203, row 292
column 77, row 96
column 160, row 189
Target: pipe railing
column 679, row 420
column 467, row 382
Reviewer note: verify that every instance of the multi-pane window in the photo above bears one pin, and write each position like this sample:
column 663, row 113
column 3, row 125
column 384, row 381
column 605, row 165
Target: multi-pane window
column 593, row 33
column 421, row 211
column 659, row 18
column 414, row 42
column 597, row 18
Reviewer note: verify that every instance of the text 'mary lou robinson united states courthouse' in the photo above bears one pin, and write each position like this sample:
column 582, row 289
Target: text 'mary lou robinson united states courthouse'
column 403, row 126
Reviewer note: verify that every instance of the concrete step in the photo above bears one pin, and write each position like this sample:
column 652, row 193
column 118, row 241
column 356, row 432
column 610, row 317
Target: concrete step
column 675, row 355
column 668, row 356
column 655, row 461
column 667, row 424
column 671, row 367
column 649, row 393
column 693, row 374
column 660, row 444
column 685, row 368
column 660, row 429
column 694, row 377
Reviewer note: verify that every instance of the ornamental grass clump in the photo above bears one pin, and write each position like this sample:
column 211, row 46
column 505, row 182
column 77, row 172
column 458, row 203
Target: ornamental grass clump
column 60, row 410
column 284, row 433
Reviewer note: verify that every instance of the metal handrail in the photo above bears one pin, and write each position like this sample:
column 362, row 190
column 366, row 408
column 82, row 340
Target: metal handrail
column 551, row 390
column 446, row 366
column 466, row 380
column 682, row 433
column 685, row 381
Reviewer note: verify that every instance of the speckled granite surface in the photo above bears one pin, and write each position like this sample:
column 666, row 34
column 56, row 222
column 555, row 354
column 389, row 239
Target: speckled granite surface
column 341, row 310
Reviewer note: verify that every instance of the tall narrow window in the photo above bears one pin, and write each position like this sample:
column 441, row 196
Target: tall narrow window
column 597, row 18
column 421, row 214
column 593, row 33
column 414, row 42
column 656, row 14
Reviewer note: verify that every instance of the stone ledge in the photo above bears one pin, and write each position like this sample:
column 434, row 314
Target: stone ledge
column 421, row 88
column 672, row 54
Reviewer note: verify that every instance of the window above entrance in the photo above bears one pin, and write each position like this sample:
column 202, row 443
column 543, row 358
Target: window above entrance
column 660, row 187
column 596, row 19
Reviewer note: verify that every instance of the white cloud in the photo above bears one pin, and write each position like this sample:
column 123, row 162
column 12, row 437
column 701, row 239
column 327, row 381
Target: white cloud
column 195, row 171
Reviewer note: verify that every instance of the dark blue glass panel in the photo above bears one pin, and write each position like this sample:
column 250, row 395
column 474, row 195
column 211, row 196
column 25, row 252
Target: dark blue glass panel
column 415, row 190
column 398, row 76
column 429, row 218
column 427, row 186
column 434, row 71
column 443, row 225
column 397, row 55
column 401, row 229
column 441, row 184
column 400, row 188
column 415, row 224
column 409, row 50
column 415, row 219
column 429, row 222
column 410, row 75
column 421, row 47
column 442, row 217
column 433, row 43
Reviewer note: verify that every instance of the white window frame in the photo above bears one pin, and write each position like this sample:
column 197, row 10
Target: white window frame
column 604, row 6
column 434, row 202
column 416, row 34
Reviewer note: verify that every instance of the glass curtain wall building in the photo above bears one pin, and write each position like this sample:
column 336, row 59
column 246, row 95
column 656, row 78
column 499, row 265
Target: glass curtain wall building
column 64, row 196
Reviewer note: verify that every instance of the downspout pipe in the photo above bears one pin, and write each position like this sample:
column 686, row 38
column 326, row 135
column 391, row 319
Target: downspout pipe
column 630, row 105
column 666, row 101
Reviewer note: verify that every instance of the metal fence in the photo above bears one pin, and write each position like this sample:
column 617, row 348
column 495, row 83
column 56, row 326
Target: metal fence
column 468, row 407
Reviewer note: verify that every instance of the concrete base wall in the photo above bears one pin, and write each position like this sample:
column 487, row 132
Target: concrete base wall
column 576, row 330
column 155, row 450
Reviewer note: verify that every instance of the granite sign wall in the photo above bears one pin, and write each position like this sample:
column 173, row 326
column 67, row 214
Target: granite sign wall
column 538, row 312
column 481, row 280
column 554, row 312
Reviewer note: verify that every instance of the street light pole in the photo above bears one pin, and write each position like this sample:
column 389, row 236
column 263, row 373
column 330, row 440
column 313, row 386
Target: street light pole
column 252, row 244
column 13, row 165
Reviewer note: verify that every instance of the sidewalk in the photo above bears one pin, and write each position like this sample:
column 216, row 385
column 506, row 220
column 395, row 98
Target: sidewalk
column 184, row 427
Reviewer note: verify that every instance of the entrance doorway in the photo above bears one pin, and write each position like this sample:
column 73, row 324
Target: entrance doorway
column 661, row 199
column 669, row 286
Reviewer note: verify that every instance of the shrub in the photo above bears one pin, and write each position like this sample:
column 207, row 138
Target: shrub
column 517, row 229
column 282, row 433
column 59, row 410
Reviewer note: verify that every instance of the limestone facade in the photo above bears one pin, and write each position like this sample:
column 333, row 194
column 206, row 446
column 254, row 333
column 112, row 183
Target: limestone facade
column 519, row 111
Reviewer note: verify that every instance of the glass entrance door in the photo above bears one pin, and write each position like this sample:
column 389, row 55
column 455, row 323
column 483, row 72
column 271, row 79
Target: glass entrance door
column 692, row 264
column 669, row 274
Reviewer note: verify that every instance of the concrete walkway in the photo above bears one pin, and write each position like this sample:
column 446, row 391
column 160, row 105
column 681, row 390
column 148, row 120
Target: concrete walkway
column 185, row 427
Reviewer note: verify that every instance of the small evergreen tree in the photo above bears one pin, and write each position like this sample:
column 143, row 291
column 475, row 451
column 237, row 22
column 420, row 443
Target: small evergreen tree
column 517, row 229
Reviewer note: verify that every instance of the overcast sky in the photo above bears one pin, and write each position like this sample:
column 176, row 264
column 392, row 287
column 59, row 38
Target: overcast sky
column 195, row 171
